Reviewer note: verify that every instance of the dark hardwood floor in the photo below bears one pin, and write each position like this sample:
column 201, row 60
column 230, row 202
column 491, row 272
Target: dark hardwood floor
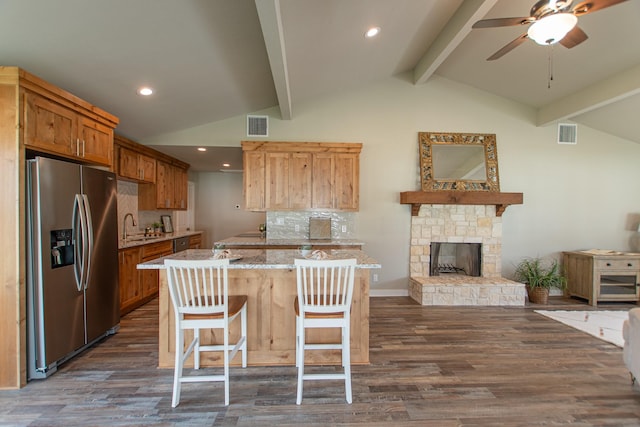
column 430, row 366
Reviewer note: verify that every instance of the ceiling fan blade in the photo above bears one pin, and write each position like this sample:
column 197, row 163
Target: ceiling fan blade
column 503, row 22
column 573, row 38
column 593, row 5
column 509, row 47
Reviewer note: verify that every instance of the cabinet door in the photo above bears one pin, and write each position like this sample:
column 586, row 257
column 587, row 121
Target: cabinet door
column 49, row 126
column 150, row 280
column 180, row 188
column 147, row 168
column 300, row 165
column 129, row 276
column 322, row 187
column 277, row 180
column 164, row 186
column 96, row 142
column 195, row 241
column 254, row 180
column 128, row 163
column 347, row 182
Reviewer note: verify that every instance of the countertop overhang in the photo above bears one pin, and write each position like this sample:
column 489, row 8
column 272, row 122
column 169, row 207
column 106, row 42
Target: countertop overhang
column 262, row 258
column 499, row 199
column 248, row 241
column 137, row 241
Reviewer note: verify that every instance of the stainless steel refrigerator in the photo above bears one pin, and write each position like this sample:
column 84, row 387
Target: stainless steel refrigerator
column 72, row 261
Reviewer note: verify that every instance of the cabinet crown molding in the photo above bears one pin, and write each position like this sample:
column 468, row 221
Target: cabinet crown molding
column 305, row 147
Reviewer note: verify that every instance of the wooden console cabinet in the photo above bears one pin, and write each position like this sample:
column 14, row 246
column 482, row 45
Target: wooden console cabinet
column 599, row 276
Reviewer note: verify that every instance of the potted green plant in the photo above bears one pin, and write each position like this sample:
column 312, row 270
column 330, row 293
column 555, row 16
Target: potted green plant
column 539, row 276
column 157, row 228
column 305, row 250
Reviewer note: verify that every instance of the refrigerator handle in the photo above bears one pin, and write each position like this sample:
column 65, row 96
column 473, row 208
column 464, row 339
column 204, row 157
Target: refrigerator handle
column 78, row 225
column 88, row 254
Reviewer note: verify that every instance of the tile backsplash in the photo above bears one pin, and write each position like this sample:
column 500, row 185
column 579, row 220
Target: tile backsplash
column 295, row 224
column 128, row 203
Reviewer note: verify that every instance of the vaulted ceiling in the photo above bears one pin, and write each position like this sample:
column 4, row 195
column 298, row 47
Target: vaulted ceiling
column 210, row 60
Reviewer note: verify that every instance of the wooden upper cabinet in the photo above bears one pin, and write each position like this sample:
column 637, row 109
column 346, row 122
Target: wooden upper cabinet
column 127, row 163
column 50, row 126
column 336, row 183
column 170, row 190
column 180, row 188
column 165, row 187
column 96, row 142
column 163, row 180
column 288, row 180
column 147, row 168
column 323, row 181
column 347, row 182
column 253, row 177
column 136, row 166
column 301, row 176
column 300, row 168
column 53, row 128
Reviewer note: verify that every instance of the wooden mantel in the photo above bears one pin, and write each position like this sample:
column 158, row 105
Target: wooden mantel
column 419, row 198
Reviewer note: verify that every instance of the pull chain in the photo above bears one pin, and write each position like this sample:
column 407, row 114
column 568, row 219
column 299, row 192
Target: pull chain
column 550, row 67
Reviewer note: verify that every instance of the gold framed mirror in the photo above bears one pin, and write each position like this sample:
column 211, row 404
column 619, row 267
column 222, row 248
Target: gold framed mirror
column 458, row 161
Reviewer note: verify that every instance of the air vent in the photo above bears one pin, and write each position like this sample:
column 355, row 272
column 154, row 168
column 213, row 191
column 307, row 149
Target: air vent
column 567, row 133
column 257, row 125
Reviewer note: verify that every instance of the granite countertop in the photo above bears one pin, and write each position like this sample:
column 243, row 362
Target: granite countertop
column 262, row 258
column 137, row 239
column 248, row 240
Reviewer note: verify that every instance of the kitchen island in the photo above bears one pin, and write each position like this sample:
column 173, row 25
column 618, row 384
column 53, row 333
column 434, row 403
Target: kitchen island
column 268, row 278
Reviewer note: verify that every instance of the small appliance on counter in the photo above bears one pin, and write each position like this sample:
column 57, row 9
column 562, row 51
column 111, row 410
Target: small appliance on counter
column 319, row 228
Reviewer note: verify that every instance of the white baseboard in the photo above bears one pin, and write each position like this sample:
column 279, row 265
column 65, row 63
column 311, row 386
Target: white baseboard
column 389, row 293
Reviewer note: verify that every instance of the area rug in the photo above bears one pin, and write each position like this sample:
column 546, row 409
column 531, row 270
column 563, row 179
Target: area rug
column 606, row 325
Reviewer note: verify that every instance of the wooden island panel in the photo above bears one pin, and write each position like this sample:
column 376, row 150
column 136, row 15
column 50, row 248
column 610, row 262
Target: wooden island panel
column 270, row 321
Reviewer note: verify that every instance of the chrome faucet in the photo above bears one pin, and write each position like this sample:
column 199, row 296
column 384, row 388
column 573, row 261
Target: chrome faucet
column 124, row 225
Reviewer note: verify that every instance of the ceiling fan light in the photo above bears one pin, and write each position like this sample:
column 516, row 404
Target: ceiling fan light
column 552, row 28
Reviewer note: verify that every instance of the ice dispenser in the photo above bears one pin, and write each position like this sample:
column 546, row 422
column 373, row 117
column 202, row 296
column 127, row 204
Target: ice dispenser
column 61, row 248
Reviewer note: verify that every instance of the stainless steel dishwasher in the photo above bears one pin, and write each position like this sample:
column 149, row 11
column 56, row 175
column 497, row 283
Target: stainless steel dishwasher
column 180, row 244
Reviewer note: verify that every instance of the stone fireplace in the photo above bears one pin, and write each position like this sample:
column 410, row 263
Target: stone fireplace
column 455, row 258
column 479, row 225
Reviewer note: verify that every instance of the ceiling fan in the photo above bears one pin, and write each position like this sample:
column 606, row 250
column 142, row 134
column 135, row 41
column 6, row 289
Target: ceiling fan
column 552, row 21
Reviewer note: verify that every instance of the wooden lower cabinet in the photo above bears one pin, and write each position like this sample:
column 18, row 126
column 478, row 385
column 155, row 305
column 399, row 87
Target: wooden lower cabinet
column 137, row 287
column 195, row 241
column 271, row 321
column 130, row 289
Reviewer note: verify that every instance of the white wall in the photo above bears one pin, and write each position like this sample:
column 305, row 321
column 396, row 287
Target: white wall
column 575, row 196
column 217, row 195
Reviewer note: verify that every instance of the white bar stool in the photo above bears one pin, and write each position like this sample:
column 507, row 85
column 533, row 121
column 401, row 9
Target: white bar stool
column 200, row 297
column 325, row 290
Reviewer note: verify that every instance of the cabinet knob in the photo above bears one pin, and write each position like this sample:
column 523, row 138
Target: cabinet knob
column 608, row 264
column 629, row 265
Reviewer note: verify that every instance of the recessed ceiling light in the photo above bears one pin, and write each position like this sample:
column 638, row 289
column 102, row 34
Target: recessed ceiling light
column 372, row 32
column 226, row 165
column 202, row 149
column 145, row 91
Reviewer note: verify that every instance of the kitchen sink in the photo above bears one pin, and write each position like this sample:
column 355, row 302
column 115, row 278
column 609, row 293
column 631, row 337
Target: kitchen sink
column 140, row 238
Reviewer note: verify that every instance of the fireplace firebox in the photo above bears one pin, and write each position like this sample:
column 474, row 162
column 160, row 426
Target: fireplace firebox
column 456, row 258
